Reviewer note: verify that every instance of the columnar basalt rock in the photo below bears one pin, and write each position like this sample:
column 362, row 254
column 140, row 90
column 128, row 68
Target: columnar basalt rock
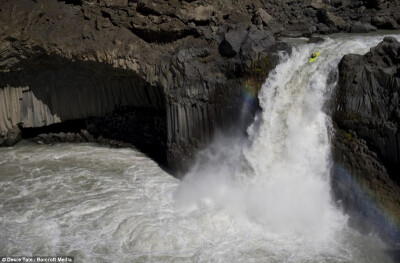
column 68, row 60
column 192, row 60
column 366, row 112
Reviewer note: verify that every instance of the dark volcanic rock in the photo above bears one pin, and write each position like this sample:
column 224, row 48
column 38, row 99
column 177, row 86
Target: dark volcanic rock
column 13, row 136
column 361, row 184
column 368, row 99
column 324, row 29
column 52, row 138
column 189, row 60
column 63, row 61
column 232, row 42
column 385, row 22
column 331, row 20
column 315, row 40
column 366, row 109
column 362, row 28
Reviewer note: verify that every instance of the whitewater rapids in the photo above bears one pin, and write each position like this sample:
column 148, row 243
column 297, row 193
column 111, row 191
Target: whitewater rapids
column 265, row 198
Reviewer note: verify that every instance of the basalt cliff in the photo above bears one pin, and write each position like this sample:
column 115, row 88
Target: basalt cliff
column 366, row 145
column 165, row 76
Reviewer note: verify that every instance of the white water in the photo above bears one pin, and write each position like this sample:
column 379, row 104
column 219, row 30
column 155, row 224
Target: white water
column 266, row 199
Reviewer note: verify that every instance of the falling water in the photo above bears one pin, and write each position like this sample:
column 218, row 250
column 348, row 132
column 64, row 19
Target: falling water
column 265, row 198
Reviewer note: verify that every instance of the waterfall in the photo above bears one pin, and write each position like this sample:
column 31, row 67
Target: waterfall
column 278, row 178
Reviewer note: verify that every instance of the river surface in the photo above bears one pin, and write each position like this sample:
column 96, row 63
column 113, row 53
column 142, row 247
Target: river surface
column 265, row 198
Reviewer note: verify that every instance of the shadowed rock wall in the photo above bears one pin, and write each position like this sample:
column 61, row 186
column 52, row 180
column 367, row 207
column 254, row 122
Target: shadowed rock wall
column 52, row 90
column 366, row 109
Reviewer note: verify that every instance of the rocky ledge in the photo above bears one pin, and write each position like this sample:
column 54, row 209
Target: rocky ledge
column 366, row 114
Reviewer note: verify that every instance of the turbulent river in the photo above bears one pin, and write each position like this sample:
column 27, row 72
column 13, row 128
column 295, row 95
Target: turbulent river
column 265, row 198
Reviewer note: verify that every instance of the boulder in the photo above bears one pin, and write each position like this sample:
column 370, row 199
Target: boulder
column 331, row 20
column 362, row 28
column 257, row 41
column 198, row 14
column 86, row 135
column 265, row 17
column 315, row 40
column 232, row 42
column 323, row 29
column 13, row 136
column 384, row 22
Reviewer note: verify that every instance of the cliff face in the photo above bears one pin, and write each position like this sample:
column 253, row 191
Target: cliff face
column 190, row 61
column 67, row 60
column 366, row 111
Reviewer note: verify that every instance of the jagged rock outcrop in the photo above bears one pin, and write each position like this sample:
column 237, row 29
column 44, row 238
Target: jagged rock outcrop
column 189, row 60
column 366, row 112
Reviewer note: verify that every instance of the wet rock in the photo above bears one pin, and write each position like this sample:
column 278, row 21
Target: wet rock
column 362, row 28
column 293, row 34
column 72, row 137
column 324, row 29
column 13, row 136
column 315, row 40
column 87, row 136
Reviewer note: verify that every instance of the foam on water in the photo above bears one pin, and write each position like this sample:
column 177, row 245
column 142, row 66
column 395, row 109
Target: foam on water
column 262, row 199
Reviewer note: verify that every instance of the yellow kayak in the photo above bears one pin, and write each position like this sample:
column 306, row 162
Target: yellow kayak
column 313, row 59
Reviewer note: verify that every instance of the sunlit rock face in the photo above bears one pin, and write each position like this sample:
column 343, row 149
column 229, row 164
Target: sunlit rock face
column 366, row 144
